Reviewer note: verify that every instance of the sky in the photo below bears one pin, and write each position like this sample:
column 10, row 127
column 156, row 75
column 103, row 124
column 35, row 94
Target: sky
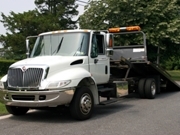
column 19, row 6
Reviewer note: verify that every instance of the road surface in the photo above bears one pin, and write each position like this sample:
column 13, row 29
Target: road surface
column 130, row 116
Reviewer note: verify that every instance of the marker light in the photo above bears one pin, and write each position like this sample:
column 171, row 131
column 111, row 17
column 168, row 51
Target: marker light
column 133, row 28
column 124, row 29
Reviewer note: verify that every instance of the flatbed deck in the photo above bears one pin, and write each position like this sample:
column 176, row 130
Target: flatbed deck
column 126, row 64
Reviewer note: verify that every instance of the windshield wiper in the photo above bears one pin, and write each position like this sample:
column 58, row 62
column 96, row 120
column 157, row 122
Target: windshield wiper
column 59, row 46
column 79, row 49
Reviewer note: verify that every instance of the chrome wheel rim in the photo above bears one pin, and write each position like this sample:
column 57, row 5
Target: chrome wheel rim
column 85, row 103
column 153, row 88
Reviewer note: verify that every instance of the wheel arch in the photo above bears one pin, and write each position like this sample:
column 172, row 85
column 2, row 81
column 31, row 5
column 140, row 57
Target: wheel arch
column 91, row 84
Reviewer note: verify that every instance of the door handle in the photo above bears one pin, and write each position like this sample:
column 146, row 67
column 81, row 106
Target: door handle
column 95, row 61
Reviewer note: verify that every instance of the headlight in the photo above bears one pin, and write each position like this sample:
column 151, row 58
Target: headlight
column 1, row 85
column 58, row 84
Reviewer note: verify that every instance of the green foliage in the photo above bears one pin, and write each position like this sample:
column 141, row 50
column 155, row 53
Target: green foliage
column 59, row 12
column 4, row 65
column 171, row 64
column 3, row 110
column 159, row 19
column 18, row 26
column 48, row 16
column 175, row 74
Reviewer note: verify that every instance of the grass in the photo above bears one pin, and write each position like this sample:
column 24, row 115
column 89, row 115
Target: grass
column 3, row 109
column 174, row 73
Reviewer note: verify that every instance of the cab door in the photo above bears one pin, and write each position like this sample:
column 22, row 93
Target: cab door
column 98, row 60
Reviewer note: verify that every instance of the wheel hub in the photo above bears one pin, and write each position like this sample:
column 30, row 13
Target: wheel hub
column 86, row 104
column 153, row 88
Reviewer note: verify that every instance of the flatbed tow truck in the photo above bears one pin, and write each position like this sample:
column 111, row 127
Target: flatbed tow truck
column 75, row 68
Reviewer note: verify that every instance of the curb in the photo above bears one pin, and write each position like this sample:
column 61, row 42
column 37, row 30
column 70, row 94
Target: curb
column 5, row 116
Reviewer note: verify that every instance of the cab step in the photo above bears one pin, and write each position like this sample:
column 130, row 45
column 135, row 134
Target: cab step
column 105, row 89
column 110, row 101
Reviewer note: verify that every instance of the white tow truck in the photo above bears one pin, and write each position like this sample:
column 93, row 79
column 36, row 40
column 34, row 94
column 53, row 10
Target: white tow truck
column 75, row 68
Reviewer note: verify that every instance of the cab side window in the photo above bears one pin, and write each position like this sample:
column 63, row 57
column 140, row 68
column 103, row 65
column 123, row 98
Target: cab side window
column 94, row 48
column 97, row 45
column 100, row 44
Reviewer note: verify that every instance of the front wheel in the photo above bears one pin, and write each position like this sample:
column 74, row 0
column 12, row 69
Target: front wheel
column 14, row 110
column 82, row 105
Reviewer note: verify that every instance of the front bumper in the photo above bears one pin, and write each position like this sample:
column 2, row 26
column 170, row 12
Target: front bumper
column 48, row 98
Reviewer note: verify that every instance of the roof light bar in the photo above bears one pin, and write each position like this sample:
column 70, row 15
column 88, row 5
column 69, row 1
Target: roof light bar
column 124, row 29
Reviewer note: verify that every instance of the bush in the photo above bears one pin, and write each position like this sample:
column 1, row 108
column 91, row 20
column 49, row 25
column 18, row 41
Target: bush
column 4, row 65
column 171, row 64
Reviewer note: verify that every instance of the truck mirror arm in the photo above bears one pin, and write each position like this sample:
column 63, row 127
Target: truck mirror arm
column 27, row 48
column 109, row 52
column 27, row 45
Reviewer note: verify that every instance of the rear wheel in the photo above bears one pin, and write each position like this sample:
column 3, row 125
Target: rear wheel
column 17, row 110
column 141, row 85
column 82, row 105
column 150, row 88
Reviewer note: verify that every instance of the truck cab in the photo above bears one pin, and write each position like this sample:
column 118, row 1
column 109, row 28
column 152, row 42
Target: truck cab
column 87, row 49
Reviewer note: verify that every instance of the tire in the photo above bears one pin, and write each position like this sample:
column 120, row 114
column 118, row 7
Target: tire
column 141, row 85
column 150, row 88
column 82, row 104
column 14, row 110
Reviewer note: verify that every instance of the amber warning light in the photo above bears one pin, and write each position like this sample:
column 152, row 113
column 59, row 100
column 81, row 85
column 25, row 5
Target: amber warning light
column 124, row 29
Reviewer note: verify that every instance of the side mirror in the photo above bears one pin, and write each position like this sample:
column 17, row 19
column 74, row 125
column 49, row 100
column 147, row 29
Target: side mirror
column 109, row 52
column 27, row 48
column 110, row 44
column 109, row 40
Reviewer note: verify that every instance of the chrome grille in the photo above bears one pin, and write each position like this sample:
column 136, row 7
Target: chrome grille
column 29, row 78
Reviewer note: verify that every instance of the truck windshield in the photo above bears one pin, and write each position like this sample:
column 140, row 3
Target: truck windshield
column 62, row 44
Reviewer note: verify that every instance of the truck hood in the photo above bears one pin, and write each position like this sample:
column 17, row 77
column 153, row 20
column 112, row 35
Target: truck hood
column 55, row 63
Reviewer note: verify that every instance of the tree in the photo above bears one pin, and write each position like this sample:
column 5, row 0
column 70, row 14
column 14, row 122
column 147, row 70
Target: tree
column 159, row 19
column 48, row 16
column 61, row 12
column 18, row 27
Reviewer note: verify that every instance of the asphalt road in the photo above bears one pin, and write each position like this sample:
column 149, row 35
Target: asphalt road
column 129, row 116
